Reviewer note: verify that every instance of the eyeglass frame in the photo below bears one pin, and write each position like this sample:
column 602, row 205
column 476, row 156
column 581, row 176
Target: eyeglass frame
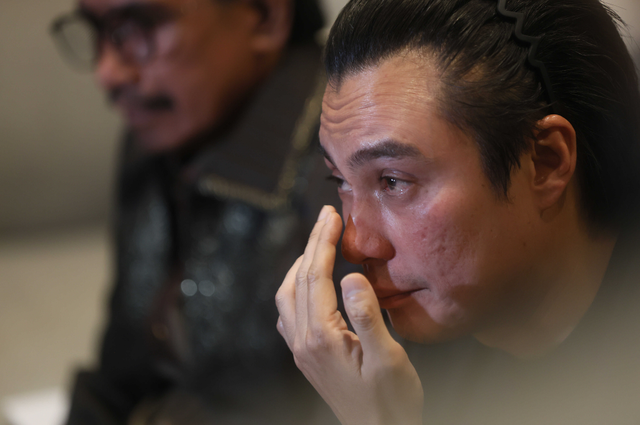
column 114, row 22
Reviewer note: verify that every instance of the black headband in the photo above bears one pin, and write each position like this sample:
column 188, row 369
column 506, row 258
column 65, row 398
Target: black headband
column 533, row 42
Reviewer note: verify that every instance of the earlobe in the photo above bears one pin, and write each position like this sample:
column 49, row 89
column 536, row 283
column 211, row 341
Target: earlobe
column 554, row 156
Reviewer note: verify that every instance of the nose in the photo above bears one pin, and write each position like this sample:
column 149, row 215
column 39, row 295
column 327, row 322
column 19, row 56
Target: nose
column 362, row 242
column 112, row 71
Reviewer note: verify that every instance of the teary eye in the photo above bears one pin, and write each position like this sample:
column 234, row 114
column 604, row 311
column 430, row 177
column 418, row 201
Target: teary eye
column 390, row 182
column 394, row 185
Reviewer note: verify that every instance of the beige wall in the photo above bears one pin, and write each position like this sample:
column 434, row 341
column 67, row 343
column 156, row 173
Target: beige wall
column 57, row 139
column 629, row 11
column 332, row 8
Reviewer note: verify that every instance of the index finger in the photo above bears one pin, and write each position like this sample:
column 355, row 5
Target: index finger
column 321, row 293
column 301, row 284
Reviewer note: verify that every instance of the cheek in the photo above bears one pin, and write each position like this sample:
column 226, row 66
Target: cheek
column 443, row 240
column 444, row 252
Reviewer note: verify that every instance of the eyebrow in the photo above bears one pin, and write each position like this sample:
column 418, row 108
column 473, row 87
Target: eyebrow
column 134, row 9
column 324, row 153
column 387, row 148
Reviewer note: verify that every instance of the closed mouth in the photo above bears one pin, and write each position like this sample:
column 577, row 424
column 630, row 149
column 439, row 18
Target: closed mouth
column 138, row 114
column 393, row 300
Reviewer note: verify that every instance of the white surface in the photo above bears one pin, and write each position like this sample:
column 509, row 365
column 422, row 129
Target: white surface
column 46, row 407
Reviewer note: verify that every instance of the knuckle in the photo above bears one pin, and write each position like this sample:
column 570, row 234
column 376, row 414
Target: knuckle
column 280, row 299
column 311, row 349
column 363, row 315
column 314, row 274
column 316, row 341
column 300, row 354
column 301, row 278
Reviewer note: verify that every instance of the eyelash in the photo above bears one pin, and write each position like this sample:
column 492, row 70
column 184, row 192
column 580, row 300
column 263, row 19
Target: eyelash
column 390, row 183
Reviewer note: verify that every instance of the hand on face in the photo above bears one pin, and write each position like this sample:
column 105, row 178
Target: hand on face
column 366, row 377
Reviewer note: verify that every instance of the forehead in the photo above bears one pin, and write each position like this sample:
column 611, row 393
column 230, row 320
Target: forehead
column 100, row 7
column 397, row 99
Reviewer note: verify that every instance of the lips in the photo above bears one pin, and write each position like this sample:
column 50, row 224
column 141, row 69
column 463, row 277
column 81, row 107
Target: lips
column 384, row 285
column 138, row 115
column 138, row 109
column 389, row 300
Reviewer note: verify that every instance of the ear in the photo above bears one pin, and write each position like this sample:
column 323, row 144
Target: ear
column 554, row 156
column 272, row 31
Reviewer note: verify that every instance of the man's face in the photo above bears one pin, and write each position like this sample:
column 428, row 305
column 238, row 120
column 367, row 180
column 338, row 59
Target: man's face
column 445, row 256
column 198, row 73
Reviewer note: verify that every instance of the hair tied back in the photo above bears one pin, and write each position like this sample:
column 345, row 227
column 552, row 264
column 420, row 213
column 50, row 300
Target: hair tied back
column 534, row 42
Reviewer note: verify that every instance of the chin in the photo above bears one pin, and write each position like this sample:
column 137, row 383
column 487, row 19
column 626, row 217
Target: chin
column 415, row 324
column 156, row 141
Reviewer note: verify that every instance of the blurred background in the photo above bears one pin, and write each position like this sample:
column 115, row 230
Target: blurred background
column 58, row 144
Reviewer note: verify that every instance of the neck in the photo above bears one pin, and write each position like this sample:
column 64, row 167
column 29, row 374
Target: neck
column 564, row 286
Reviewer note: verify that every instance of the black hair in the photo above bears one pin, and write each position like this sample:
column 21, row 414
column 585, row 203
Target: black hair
column 490, row 90
column 307, row 20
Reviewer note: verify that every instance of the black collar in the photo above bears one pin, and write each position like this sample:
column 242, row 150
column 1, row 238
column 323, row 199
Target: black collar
column 257, row 159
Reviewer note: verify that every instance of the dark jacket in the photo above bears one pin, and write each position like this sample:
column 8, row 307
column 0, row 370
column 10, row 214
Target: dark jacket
column 201, row 249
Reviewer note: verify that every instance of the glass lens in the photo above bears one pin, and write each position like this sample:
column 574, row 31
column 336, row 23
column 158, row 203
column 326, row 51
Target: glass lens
column 77, row 39
column 133, row 43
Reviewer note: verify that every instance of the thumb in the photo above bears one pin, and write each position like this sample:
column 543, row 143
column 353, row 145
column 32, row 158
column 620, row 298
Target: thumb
column 363, row 309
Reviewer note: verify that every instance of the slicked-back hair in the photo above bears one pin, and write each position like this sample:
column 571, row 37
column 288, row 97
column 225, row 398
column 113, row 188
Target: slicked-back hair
column 489, row 89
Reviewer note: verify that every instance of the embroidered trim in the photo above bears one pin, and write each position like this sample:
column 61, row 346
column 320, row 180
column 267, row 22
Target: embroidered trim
column 302, row 136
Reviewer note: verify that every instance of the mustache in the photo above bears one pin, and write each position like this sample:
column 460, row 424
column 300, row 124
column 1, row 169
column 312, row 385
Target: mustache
column 157, row 102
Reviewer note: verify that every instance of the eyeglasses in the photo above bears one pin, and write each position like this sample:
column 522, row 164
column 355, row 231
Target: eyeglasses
column 130, row 30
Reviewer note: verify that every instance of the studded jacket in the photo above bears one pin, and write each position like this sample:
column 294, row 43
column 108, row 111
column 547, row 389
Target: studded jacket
column 201, row 248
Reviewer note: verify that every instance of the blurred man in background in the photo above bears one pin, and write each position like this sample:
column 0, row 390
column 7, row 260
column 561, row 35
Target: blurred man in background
column 217, row 190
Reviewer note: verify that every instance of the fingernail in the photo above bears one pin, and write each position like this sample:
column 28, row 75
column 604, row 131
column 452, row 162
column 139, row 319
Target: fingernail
column 352, row 293
column 324, row 213
column 351, row 289
column 327, row 218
